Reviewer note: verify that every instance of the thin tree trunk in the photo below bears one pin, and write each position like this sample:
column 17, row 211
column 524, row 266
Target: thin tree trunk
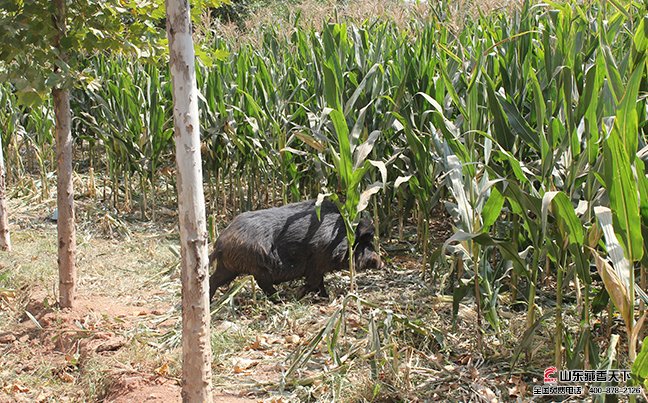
column 196, row 346
column 64, row 189
column 5, row 241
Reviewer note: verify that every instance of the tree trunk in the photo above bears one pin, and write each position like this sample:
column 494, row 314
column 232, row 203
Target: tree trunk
column 64, row 185
column 5, row 242
column 65, row 200
column 196, row 346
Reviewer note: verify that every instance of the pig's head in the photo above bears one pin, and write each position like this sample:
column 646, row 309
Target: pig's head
column 365, row 255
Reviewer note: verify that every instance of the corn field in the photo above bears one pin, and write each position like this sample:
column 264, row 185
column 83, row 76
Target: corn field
column 527, row 126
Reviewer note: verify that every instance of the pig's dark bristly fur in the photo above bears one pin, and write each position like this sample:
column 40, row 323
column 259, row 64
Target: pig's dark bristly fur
column 285, row 243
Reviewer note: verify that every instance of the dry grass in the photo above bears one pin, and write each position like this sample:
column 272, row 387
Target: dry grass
column 122, row 290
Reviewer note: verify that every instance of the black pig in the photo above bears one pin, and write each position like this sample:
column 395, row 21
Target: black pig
column 285, row 243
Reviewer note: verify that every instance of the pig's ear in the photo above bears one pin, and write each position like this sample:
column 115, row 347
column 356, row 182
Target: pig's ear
column 364, row 231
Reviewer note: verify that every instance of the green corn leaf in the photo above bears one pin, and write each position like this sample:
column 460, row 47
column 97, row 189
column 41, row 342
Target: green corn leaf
column 613, row 75
column 540, row 109
column 565, row 214
column 342, row 132
column 331, row 86
column 492, row 208
column 506, row 247
column 358, row 175
column 358, row 128
column 619, row 176
column 450, row 87
column 590, row 99
column 621, row 9
column 528, row 206
column 254, row 107
column 642, row 183
column 640, row 39
column 519, row 126
column 581, row 262
column 503, row 134
column 626, row 121
column 515, row 165
column 350, row 104
column 640, row 366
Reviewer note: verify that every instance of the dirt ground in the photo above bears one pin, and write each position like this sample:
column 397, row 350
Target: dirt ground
column 394, row 341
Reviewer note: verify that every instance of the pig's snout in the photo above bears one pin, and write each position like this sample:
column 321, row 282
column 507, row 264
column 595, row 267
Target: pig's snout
column 368, row 259
column 374, row 262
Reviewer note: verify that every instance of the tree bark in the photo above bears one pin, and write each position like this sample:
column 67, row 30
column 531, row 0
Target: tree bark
column 196, row 346
column 5, row 241
column 64, row 185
